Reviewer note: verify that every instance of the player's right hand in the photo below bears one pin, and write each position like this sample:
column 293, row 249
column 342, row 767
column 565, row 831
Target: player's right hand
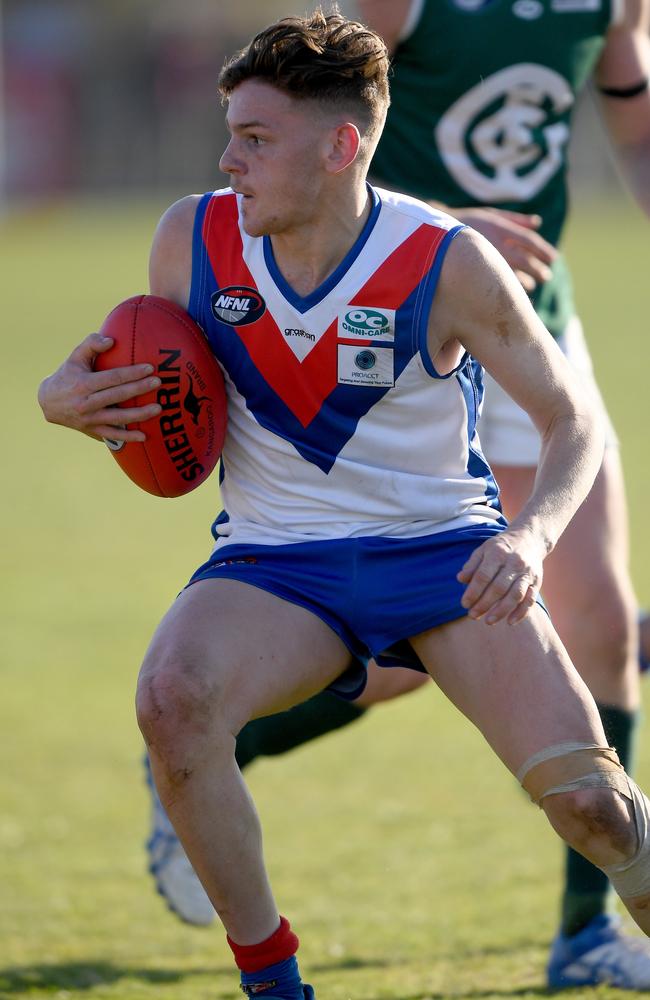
column 77, row 396
column 515, row 236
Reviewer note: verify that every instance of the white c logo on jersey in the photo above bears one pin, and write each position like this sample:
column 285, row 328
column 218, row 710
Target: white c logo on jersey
column 508, row 153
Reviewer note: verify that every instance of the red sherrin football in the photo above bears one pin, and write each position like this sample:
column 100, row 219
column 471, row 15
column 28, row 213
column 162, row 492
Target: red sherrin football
column 184, row 442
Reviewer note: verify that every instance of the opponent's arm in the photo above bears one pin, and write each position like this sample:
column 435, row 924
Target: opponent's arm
column 387, row 17
column 515, row 237
column 621, row 78
column 480, row 306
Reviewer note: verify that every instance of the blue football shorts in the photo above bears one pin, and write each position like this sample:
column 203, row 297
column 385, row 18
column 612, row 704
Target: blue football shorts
column 374, row 592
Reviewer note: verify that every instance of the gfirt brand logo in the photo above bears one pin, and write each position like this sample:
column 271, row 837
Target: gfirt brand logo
column 237, row 305
column 362, row 321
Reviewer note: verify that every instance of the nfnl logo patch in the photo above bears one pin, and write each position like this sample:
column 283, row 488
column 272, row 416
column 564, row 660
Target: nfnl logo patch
column 364, row 322
column 237, row 305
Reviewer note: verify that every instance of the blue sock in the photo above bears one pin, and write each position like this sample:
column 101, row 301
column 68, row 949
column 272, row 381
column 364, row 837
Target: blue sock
column 281, row 980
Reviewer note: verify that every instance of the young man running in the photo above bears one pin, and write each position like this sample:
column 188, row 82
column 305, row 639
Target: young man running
column 483, row 95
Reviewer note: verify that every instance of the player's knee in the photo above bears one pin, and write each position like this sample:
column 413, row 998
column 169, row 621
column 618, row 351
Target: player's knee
column 176, row 701
column 596, row 822
column 597, row 808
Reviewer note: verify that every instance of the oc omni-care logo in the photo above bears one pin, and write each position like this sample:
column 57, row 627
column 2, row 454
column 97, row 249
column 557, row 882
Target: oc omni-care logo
column 237, row 305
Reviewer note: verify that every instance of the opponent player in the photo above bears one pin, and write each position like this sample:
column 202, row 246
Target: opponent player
column 500, row 117
column 482, row 100
column 351, row 460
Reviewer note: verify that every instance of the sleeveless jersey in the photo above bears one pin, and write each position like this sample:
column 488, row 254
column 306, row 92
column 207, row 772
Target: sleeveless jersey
column 338, row 423
column 482, row 95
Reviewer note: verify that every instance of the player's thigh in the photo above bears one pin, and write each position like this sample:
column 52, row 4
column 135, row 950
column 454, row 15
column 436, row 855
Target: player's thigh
column 515, row 683
column 253, row 651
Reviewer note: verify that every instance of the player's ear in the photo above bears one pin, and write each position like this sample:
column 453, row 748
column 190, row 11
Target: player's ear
column 343, row 144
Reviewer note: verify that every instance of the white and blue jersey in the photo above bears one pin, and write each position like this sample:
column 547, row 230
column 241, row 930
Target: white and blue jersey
column 339, row 425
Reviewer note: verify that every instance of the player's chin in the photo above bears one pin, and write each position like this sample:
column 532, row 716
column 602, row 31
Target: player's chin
column 254, row 229
column 257, row 223
column 254, row 226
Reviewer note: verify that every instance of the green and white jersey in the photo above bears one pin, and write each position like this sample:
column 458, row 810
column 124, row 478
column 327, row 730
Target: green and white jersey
column 482, row 96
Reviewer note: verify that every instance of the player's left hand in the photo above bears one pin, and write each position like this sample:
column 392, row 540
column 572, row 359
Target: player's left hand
column 503, row 577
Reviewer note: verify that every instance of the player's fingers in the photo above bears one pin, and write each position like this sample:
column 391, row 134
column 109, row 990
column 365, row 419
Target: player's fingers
column 86, row 352
column 528, row 284
column 470, row 567
column 118, row 416
column 118, row 435
column 525, row 219
column 535, row 271
column 479, row 583
column 500, row 596
column 502, row 603
column 524, row 607
column 117, row 394
column 531, row 247
column 131, row 375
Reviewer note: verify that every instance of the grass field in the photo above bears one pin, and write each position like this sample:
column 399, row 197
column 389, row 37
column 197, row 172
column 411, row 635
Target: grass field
column 411, row 865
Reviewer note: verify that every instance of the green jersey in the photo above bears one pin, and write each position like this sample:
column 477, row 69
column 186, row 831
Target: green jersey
column 482, row 94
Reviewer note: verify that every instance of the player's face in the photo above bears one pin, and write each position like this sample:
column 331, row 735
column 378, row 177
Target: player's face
column 274, row 157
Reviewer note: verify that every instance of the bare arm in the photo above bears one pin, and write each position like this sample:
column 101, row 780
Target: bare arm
column 170, row 262
column 480, row 305
column 386, row 17
column 78, row 397
column 624, row 63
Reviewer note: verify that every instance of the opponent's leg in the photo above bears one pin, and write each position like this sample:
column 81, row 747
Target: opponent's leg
column 227, row 652
column 644, row 642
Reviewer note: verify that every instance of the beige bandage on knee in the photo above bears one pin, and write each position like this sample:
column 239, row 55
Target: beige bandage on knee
column 567, row 767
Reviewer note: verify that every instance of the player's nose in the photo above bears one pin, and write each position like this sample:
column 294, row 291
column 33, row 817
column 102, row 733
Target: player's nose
column 229, row 162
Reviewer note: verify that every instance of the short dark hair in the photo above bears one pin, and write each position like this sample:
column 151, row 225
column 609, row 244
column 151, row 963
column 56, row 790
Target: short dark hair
column 320, row 57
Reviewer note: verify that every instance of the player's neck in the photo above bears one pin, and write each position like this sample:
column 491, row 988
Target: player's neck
column 307, row 256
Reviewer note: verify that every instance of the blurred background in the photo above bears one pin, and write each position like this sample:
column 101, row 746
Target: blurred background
column 120, row 95
column 117, row 95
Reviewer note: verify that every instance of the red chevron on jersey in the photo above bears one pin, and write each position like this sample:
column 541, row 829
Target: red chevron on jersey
column 301, row 385
column 304, row 385
column 386, row 286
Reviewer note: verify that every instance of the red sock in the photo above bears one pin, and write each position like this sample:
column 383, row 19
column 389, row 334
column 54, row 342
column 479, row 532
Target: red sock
column 282, row 944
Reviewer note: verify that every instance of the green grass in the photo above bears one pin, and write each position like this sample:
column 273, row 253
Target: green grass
column 408, row 861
